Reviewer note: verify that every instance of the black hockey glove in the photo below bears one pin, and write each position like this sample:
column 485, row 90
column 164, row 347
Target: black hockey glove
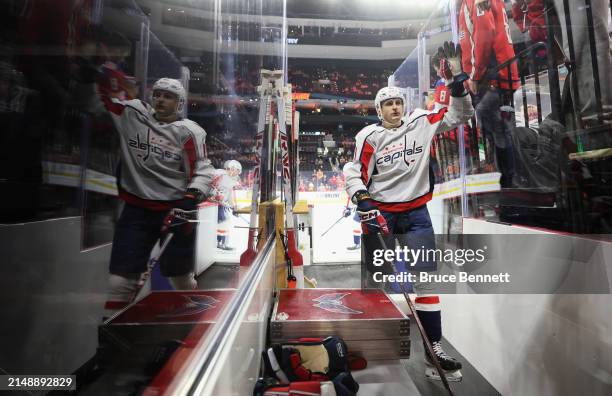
column 450, row 68
column 347, row 212
column 371, row 219
column 191, row 199
column 179, row 219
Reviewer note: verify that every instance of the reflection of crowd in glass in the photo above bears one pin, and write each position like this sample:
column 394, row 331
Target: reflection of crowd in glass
column 237, row 76
column 338, row 35
column 253, row 31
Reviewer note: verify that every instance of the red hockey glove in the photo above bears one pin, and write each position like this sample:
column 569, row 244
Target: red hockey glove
column 191, row 199
column 450, row 68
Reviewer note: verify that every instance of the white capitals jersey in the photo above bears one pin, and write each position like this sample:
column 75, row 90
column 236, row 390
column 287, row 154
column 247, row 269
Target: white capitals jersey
column 393, row 164
column 223, row 186
column 159, row 161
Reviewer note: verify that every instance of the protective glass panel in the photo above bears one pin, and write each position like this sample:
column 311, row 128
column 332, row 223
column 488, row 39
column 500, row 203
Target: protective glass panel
column 536, row 115
column 423, row 88
column 539, row 118
column 105, row 105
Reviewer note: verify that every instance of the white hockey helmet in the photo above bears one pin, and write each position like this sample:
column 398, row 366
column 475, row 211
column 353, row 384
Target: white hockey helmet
column 233, row 164
column 173, row 86
column 385, row 94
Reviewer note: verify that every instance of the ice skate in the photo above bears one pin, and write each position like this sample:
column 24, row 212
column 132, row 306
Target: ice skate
column 353, row 247
column 225, row 247
column 450, row 365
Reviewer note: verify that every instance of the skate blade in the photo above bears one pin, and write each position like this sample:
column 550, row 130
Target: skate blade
column 451, row 376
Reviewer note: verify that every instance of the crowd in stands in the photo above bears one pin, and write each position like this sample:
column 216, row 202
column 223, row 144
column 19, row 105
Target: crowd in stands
column 338, row 80
column 240, row 77
column 319, row 180
column 322, row 156
column 228, row 112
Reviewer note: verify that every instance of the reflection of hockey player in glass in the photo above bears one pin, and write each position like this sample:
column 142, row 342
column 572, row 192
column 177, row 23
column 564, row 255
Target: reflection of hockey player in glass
column 584, row 92
column 348, row 210
column 390, row 183
column 485, row 39
column 163, row 166
column 224, row 184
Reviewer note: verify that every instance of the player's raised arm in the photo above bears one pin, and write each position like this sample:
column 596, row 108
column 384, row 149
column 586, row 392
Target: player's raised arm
column 460, row 108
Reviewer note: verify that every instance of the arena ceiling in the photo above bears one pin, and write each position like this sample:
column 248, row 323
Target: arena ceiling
column 364, row 10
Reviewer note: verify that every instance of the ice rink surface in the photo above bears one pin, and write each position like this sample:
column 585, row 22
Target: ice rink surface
column 238, row 234
column 328, row 248
column 332, row 247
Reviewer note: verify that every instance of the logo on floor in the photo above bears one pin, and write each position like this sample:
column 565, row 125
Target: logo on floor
column 193, row 305
column 332, row 302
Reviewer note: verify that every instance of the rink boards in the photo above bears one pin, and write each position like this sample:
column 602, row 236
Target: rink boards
column 369, row 322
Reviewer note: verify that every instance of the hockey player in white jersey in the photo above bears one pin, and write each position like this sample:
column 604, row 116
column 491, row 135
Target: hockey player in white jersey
column 390, row 182
column 163, row 166
column 225, row 182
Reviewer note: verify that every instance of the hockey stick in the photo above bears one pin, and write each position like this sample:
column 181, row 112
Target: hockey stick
column 332, row 226
column 412, row 309
column 187, row 217
column 247, row 257
column 284, row 122
column 242, row 218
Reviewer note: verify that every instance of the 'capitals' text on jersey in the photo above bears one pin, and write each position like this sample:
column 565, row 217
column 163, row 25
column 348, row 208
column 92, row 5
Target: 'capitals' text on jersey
column 398, row 152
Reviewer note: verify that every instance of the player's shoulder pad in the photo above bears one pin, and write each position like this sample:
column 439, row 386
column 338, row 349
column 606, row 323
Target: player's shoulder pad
column 191, row 126
column 366, row 131
column 136, row 104
column 416, row 114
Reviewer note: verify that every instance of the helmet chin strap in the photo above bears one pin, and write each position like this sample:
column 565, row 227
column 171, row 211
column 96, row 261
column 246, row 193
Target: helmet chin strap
column 179, row 107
